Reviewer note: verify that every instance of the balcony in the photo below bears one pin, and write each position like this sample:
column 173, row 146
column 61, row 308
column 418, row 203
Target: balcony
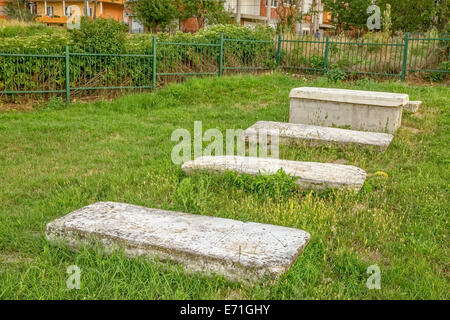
column 52, row 20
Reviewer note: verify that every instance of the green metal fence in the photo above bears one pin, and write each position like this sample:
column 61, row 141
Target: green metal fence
column 74, row 72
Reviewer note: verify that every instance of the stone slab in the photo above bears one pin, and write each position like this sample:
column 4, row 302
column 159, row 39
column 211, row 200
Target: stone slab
column 412, row 106
column 341, row 114
column 317, row 134
column 237, row 250
column 309, row 175
column 372, row 98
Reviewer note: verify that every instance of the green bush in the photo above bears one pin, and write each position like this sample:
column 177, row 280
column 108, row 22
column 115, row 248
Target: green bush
column 440, row 76
column 28, row 30
column 335, row 74
column 110, row 37
column 100, row 35
column 316, row 62
column 189, row 57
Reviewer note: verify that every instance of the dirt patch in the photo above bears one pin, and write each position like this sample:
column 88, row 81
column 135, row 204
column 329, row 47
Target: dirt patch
column 234, row 295
column 13, row 258
column 412, row 130
column 340, row 161
column 23, row 106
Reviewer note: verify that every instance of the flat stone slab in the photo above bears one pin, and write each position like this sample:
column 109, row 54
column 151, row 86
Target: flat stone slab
column 373, row 98
column 356, row 109
column 309, row 175
column 412, row 106
column 317, row 134
column 237, row 250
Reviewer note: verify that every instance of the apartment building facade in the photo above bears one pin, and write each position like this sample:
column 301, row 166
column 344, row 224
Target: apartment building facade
column 56, row 12
column 252, row 12
column 246, row 13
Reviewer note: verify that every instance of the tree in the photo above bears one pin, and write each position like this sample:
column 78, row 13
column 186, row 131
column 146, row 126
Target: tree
column 411, row 15
column 18, row 10
column 406, row 15
column 443, row 11
column 348, row 14
column 211, row 11
column 288, row 14
column 154, row 14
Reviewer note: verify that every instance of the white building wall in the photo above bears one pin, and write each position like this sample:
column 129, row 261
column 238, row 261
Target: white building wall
column 250, row 7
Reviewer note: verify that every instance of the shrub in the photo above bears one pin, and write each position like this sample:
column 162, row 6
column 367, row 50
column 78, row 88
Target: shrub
column 316, row 62
column 27, row 29
column 100, row 35
column 335, row 74
column 440, row 76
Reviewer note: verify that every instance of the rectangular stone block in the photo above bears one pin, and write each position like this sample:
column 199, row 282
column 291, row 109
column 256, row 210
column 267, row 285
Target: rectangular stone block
column 412, row 106
column 309, row 175
column 359, row 110
column 322, row 135
column 237, row 250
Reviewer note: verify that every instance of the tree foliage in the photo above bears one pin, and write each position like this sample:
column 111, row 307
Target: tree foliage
column 407, row 15
column 102, row 35
column 154, row 14
column 17, row 10
column 210, row 11
column 417, row 15
column 348, row 14
column 288, row 16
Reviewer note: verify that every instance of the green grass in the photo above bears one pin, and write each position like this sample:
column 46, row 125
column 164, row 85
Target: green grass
column 57, row 159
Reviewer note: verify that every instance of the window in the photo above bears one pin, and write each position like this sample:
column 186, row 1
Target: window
column 68, row 11
column 273, row 3
column 50, row 11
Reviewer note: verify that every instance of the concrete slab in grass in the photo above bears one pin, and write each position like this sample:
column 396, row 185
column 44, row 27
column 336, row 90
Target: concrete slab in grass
column 317, row 134
column 360, row 110
column 412, row 106
column 237, row 250
column 309, row 175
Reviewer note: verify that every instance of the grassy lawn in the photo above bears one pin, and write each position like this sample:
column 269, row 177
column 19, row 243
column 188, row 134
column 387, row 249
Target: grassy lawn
column 57, row 159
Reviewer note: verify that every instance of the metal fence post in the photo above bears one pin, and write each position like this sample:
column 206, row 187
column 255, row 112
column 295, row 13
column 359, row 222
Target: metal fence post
column 325, row 60
column 154, row 63
column 279, row 51
column 405, row 56
column 67, row 61
column 221, row 55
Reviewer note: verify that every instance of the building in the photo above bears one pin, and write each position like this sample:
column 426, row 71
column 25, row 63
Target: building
column 2, row 9
column 56, row 12
column 251, row 12
column 246, row 13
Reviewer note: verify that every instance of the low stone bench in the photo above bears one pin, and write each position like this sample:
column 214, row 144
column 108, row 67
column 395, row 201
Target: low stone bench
column 316, row 134
column 237, row 250
column 412, row 106
column 309, row 175
column 359, row 110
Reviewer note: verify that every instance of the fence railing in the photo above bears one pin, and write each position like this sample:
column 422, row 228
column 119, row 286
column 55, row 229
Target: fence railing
column 72, row 72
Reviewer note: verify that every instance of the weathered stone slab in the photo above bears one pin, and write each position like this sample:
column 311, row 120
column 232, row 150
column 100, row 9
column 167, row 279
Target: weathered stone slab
column 412, row 106
column 371, row 98
column 309, row 175
column 359, row 110
column 317, row 134
column 237, row 250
